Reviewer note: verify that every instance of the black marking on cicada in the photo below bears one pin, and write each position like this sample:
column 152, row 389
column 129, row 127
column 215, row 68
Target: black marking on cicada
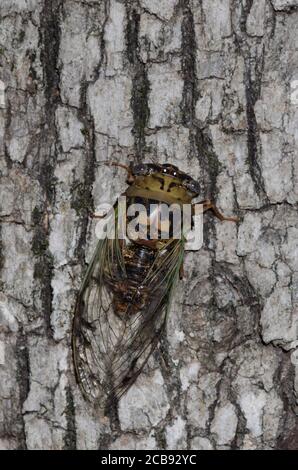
column 124, row 301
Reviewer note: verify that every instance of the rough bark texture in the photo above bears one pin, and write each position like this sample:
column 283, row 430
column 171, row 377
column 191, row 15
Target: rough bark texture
column 206, row 85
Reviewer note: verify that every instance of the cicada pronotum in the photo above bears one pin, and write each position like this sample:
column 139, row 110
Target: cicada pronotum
column 123, row 304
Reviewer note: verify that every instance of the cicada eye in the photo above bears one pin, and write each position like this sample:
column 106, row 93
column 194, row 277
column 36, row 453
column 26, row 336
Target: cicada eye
column 193, row 186
column 140, row 169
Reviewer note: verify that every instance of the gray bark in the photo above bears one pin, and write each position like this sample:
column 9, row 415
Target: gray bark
column 208, row 85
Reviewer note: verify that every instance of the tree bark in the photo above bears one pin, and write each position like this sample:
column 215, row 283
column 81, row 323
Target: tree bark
column 208, row 85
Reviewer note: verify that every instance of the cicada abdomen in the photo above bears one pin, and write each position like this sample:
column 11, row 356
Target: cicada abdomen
column 124, row 300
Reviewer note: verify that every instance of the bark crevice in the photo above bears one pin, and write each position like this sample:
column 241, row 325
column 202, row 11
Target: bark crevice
column 140, row 82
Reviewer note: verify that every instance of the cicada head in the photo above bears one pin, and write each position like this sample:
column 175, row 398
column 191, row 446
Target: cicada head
column 166, row 180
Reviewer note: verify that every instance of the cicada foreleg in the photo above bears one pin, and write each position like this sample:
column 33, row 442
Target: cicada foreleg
column 209, row 205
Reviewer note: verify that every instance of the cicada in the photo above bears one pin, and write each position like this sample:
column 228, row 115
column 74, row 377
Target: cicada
column 124, row 301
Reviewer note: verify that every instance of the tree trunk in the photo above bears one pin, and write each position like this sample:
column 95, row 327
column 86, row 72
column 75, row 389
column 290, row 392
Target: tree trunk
column 210, row 86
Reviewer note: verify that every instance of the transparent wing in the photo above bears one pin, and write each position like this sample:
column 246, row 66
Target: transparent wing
column 111, row 349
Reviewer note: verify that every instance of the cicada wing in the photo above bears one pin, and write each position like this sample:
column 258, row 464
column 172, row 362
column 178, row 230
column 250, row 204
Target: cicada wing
column 143, row 330
column 95, row 324
column 110, row 350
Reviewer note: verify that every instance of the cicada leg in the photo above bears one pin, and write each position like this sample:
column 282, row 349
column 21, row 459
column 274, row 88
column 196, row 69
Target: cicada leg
column 209, row 205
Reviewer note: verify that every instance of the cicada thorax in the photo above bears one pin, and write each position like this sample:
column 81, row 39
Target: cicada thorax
column 163, row 198
column 160, row 187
